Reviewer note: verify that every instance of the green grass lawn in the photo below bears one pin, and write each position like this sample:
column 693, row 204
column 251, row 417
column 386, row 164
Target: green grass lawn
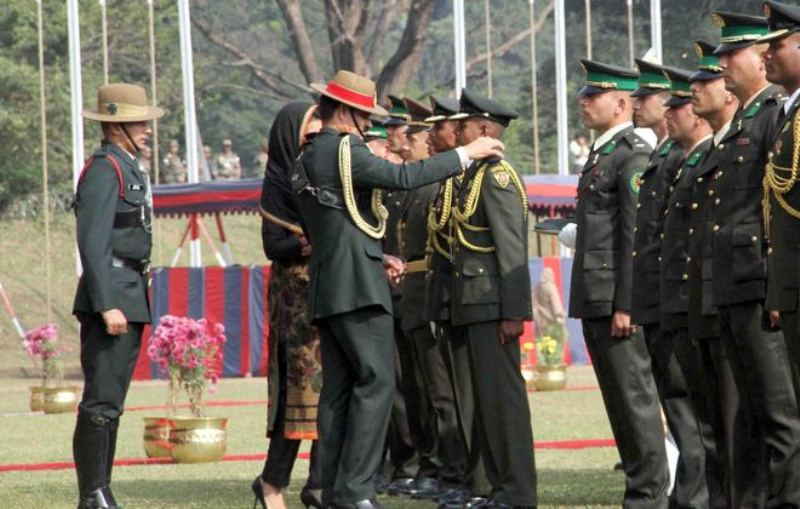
column 569, row 478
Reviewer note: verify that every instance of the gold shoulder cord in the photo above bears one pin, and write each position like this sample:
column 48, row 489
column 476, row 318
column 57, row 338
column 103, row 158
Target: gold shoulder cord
column 435, row 226
column 780, row 184
column 462, row 216
column 378, row 210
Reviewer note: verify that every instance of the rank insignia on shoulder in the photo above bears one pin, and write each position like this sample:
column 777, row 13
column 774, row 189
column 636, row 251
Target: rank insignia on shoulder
column 635, row 182
column 502, row 177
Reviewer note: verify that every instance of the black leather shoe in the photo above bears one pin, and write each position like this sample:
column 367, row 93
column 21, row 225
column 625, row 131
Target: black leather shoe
column 110, row 500
column 400, row 486
column 258, row 492
column 458, row 496
column 476, row 502
column 308, row 499
column 94, row 501
column 382, row 483
column 424, row 488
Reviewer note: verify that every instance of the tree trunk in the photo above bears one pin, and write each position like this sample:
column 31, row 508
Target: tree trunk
column 399, row 69
column 303, row 47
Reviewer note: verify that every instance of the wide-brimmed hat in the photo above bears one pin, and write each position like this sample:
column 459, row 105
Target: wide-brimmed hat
column 353, row 90
column 122, row 102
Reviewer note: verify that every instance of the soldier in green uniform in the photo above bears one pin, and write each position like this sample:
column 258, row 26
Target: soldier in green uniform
column 458, row 436
column 113, row 209
column 173, row 169
column 337, row 180
column 735, row 475
column 229, row 166
column 601, row 281
column 676, row 363
column 491, row 292
column 782, row 197
column 755, row 348
column 395, row 126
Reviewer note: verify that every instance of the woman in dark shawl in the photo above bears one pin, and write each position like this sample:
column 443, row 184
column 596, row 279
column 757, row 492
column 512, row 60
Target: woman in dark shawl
column 295, row 374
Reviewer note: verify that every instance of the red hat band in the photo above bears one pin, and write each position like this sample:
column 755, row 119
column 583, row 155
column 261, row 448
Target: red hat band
column 352, row 96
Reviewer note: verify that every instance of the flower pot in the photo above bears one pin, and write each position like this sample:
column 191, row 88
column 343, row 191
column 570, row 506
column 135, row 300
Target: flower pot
column 197, row 439
column 529, row 375
column 36, row 402
column 156, row 437
column 59, row 400
column 550, row 378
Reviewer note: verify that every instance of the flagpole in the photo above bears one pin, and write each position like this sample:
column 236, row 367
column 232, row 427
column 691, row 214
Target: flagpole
column 561, row 86
column 76, row 99
column 460, row 51
column 45, row 188
column 105, row 39
column 631, row 42
column 534, row 88
column 655, row 29
column 488, row 34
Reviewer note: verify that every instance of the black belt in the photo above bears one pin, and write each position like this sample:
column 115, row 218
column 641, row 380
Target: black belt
column 129, row 218
column 140, row 266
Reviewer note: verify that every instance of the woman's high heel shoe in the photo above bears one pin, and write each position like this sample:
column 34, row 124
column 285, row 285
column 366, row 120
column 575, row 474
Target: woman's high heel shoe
column 258, row 491
column 309, row 500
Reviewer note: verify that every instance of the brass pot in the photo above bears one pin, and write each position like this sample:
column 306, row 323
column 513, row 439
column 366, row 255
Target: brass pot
column 197, row 439
column 59, row 400
column 156, row 437
column 529, row 375
column 37, row 399
column 550, row 378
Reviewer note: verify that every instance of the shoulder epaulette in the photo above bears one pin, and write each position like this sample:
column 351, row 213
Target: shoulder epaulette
column 609, row 147
column 635, row 141
column 753, row 109
column 666, row 147
column 695, row 158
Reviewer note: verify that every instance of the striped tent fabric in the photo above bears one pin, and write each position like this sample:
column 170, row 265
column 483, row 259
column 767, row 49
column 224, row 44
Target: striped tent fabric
column 234, row 296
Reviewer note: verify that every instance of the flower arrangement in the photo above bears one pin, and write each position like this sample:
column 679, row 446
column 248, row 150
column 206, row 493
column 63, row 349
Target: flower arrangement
column 189, row 352
column 42, row 342
column 550, row 346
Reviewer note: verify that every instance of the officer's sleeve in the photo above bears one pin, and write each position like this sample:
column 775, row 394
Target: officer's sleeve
column 280, row 245
column 628, row 191
column 95, row 210
column 507, row 218
column 371, row 171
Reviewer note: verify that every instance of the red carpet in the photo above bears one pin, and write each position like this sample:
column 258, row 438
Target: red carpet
column 125, row 462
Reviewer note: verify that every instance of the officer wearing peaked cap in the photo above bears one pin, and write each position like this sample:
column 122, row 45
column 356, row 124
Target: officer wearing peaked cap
column 491, row 301
column 677, row 367
column 349, row 299
column 608, row 191
column 782, row 195
column 113, row 211
column 755, row 347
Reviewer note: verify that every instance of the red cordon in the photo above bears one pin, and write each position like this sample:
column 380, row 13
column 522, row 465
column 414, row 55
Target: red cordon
column 350, row 95
column 593, row 443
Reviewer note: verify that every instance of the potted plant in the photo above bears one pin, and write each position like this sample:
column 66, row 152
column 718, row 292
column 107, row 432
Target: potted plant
column 551, row 373
column 189, row 353
column 51, row 396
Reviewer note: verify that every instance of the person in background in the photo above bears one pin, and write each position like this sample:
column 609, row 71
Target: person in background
column 173, row 168
column 261, row 158
column 211, row 164
column 295, row 371
column 579, row 148
column 144, row 157
column 229, row 166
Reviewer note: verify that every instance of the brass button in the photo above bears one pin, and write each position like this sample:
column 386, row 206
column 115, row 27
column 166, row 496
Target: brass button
column 769, row 250
column 688, row 258
column 633, row 254
column 719, row 174
column 638, row 205
column 662, row 236
column 666, row 212
column 591, row 187
column 635, row 229
column 694, row 206
column 740, row 159
column 456, row 274
column 699, row 179
column 671, row 189
column 685, row 277
column 711, row 192
column 754, row 239
column 653, row 194
column 721, row 146
column 659, row 258
column 716, row 228
column 605, row 265
column 691, row 231
column 716, row 202
column 678, row 204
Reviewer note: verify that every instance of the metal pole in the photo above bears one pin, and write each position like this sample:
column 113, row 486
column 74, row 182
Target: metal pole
column 488, row 32
column 655, row 29
column 76, row 95
column 460, row 47
column 631, row 50
column 105, row 40
column 45, row 189
column 588, row 4
column 153, row 87
column 534, row 89
column 189, row 117
column 561, row 86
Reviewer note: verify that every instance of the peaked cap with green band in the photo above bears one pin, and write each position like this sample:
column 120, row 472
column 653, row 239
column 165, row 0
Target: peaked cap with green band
column 782, row 20
column 651, row 78
column 473, row 104
column 680, row 91
column 602, row 77
column 398, row 113
column 708, row 68
column 376, row 132
column 738, row 30
column 418, row 112
column 443, row 108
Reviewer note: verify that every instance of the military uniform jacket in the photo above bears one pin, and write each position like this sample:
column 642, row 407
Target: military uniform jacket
column 491, row 277
column 784, row 235
column 608, row 187
column 413, row 241
column 394, row 201
column 113, row 234
column 660, row 172
column 675, row 245
column 439, row 278
column 346, row 266
column 737, row 240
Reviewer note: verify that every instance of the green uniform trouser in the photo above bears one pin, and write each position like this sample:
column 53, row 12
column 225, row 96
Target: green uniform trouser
column 355, row 402
column 674, row 370
column 791, row 334
column 455, row 352
column 502, row 414
column 758, row 358
column 624, row 372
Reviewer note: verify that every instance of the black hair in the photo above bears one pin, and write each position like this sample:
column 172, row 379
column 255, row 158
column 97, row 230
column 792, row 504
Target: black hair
column 327, row 107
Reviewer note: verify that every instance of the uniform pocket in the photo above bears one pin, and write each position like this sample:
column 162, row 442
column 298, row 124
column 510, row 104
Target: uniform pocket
column 598, row 273
column 748, row 259
column 373, row 250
